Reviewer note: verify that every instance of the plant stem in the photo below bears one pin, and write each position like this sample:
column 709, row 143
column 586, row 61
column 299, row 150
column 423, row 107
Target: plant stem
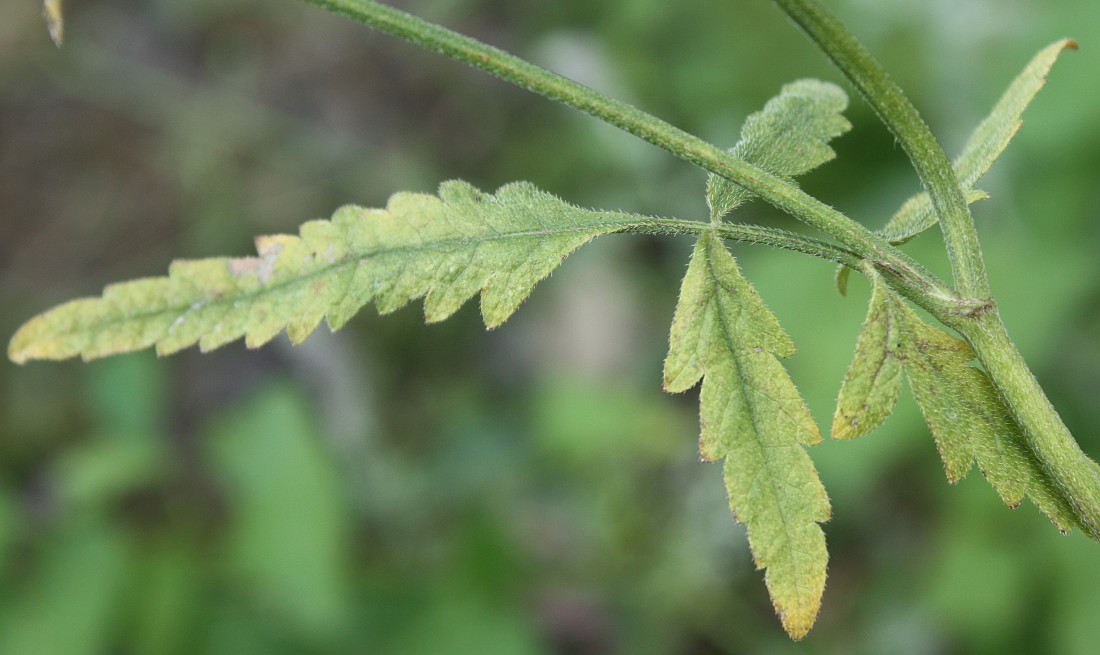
column 1047, row 436
column 902, row 118
column 755, row 234
column 973, row 314
column 749, row 234
column 783, row 195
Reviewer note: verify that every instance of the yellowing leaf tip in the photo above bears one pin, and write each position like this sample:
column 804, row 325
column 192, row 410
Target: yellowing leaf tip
column 797, row 626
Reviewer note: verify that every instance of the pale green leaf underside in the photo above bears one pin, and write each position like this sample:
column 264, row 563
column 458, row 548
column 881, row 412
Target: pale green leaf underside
column 873, row 381
column 968, row 419
column 752, row 415
column 444, row 249
column 788, row 137
column 986, row 143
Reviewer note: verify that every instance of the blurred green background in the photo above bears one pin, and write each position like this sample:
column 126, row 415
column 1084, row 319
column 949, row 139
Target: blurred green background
column 402, row 488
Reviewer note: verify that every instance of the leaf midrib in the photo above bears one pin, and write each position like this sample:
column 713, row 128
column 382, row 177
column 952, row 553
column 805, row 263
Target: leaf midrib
column 352, row 259
column 743, row 386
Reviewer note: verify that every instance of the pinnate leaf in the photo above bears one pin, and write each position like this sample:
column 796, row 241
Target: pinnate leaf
column 871, row 386
column 752, row 415
column 942, row 383
column 444, row 249
column 985, row 144
column 970, row 421
column 966, row 415
column 992, row 135
column 788, row 137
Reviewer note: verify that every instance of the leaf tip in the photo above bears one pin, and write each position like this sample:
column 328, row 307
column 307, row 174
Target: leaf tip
column 813, row 435
column 41, row 338
column 17, row 357
column 797, row 630
column 492, row 321
column 954, row 476
column 798, row 622
column 669, row 386
column 55, row 20
column 299, row 332
column 17, row 349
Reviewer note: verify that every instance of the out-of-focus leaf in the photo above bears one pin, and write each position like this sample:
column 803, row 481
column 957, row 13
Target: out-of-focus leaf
column 788, row 137
column 288, row 542
column 166, row 599
column 753, row 416
column 127, row 394
column 1076, row 577
column 8, row 525
column 106, row 468
column 468, row 626
column 445, row 249
column 583, row 423
column 871, row 386
column 69, row 606
column 976, row 577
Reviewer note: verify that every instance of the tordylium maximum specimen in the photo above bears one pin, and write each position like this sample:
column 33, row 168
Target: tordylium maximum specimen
column 977, row 395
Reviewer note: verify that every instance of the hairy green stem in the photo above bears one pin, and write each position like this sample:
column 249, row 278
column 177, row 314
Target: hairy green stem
column 780, row 193
column 971, row 311
column 1049, row 438
column 799, row 243
column 902, row 118
column 750, row 234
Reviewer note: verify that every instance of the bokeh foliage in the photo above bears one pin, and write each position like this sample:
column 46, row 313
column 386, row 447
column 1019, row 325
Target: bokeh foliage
column 403, row 488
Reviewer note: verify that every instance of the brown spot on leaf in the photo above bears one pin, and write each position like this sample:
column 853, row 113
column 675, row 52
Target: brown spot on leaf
column 262, row 267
